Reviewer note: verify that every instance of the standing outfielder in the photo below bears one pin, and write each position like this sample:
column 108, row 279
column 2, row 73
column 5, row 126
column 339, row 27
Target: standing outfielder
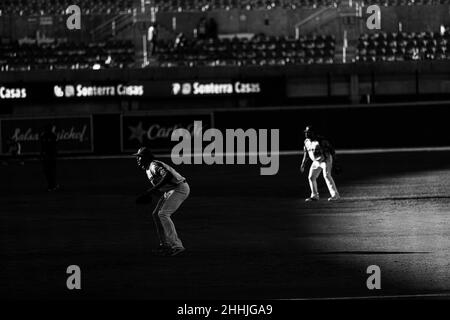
column 172, row 189
column 321, row 154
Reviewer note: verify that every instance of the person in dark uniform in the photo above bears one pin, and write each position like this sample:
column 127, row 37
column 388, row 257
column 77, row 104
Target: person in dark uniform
column 48, row 156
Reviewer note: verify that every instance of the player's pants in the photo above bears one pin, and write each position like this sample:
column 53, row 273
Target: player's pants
column 49, row 165
column 167, row 205
column 314, row 172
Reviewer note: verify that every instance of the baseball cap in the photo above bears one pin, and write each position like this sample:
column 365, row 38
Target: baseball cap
column 143, row 152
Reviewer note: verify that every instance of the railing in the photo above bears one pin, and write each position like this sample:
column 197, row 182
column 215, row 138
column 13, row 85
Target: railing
column 325, row 14
column 112, row 27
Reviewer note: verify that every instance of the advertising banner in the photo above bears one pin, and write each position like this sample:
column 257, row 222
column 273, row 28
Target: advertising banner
column 78, row 90
column 220, row 88
column 85, row 90
column 154, row 131
column 74, row 134
column 73, row 91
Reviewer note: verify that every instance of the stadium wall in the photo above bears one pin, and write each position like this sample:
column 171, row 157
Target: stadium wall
column 160, row 88
column 411, row 125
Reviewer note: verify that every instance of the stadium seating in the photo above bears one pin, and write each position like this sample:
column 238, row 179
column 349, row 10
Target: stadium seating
column 387, row 3
column 58, row 7
column 257, row 51
column 206, row 5
column 24, row 57
column 403, row 46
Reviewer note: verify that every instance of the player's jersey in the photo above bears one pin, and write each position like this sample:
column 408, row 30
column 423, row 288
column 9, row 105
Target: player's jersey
column 48, row 144
column 314, row 150
column 158, row 169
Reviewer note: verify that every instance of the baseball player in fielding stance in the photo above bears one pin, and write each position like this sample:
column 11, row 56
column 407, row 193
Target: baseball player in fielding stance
column 321, row 154
column 172, row 189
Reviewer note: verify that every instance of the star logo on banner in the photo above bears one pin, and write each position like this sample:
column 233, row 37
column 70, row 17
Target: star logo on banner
column 137, row 132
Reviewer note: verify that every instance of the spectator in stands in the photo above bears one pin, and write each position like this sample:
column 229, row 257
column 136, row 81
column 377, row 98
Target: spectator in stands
column 202, row 28
column 48, row 156
column 180, row 40
column 153, row 37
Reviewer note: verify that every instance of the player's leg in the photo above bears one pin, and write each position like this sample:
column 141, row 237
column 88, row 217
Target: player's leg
column 158, row 226
column 314, row 172
column 53, row 174
column 18, row 159
column 327, row 167
column 4, row 160
column 174, row 199
column 47, row 174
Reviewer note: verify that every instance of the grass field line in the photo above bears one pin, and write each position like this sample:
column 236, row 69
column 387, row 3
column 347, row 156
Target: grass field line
column 381, row 297
column 280, row 153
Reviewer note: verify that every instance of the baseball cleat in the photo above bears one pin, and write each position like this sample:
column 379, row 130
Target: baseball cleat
column 311, row 199
column 161, row 250
column 55, row 188
column 334, row 198
column 174, row 251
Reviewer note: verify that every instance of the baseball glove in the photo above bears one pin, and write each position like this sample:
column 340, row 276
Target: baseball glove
column 144, row 198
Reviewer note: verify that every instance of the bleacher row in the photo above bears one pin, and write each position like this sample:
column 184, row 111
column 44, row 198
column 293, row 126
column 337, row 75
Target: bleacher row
column 58, row 7
column 24, row 57
column 210, row 5
column 257, row 51
column 392, row 3
column 403, row 46
column 205, row 5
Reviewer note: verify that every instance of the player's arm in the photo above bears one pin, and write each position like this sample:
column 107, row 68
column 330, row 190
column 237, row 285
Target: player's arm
column 305, row 157
column 325, row 145
column 166, row 177
column 146, row 196
column 328, row 149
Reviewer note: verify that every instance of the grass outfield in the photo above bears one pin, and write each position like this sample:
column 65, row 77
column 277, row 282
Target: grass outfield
column 247, row 236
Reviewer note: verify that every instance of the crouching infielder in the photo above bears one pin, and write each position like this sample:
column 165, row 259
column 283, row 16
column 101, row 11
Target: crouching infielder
column 172, row 189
